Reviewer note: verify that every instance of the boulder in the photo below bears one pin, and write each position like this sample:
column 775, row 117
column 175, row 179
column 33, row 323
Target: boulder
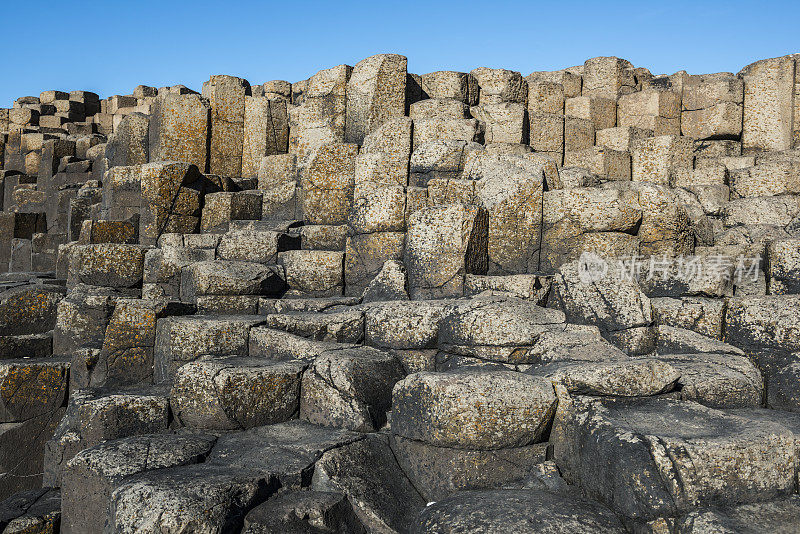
column 180, row 340
column 350, row 389
column 443, row 244
column 232, row 393
column 471, row 409
column 90, row 477
column 603, row 444
column 612, row 302
column 523, row 511
column 382, row 496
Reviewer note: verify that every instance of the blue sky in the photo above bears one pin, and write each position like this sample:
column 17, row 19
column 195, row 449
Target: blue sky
column 111, row 47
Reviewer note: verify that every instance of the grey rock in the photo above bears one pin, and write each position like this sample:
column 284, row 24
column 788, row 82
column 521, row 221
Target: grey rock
column 340, row 326
column 95, row 415
column 524, row 511
column 717, row 380
column 286, row 452
column 180, row 340
column 619, row 378
column 472, row 409
column 90, row 477
column 779, row 517
column 304, row 511
column 677, row 451
column 350, row 388
column 366, row 471
column 230, row 393
column 437, row 472
column 389, row 284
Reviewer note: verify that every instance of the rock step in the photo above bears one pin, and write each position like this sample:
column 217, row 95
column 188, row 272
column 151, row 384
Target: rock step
column 96, row 415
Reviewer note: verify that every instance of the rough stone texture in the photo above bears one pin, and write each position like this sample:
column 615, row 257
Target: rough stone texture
column 350, row 389
column 613, row 303
column 601, row 444
column 523, row 511
column 235, row 393
column 179, row 129
column 376, row 91
column 90, row 477
column 180, row 340
column 328, row 184
column 470, row 409
column 768, row 111
column 366, row 471
column 304, row 511
column 565, row 302
column 444, row 244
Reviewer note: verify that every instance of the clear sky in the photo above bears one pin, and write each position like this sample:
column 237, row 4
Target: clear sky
column 111, row 47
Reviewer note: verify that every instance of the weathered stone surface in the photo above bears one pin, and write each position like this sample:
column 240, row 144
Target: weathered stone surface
column 223, row 207
column 654, row 158
column 314, row 272
column 265, row 133
column 304, row 511
column 90, row 477
column 570, row 216
column 345, row 326
column 37, row 510
column 376, row 91
column 659, row 111
column 31, row 388
column 607, row 77
column 180, row 340
column 768, row 113
column 365, row 256
column 617, row 378
column 712, row 108
column 439, row 471
column 404, row 325
column 475, row 250
column 179, row 128
column 320, row 116
column 107, row 265
column 29, row 309
column 523, row 511
column 775, row 516
column 511, row 193
column 704, row 316
column 350, row 389
column 500, row 85
column 229, row 393
column 82, row 318
column 600, row 444
column 328, row 184
column 717, row 380
column 199, row 498
column 226, row 95
column 366, row 471
column 613, row 303
column 445, row 243
column 94, row 416
column 495, row 328
column 129, row 145
column 472, row 409
column 220, row 277
column 22, row 445
column 459, row 86
column 438, row 159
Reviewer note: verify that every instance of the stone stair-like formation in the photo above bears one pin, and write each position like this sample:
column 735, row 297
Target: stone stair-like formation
column 376, row 301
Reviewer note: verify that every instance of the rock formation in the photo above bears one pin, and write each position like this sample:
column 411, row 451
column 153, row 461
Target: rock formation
column 377, row 301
